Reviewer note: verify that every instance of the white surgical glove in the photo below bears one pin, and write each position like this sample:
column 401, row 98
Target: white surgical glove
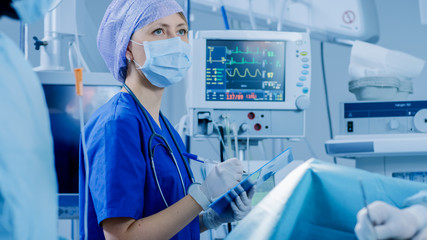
column 220, row 179
column 240, row 207
column 389, row 221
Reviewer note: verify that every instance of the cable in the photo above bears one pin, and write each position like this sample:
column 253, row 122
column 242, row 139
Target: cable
column 247, row 150
column 220, row 136
column 55, row 6
column 86, row 167
column 236, row 143
column 80, row 58
column 70, row 57
column 227, row 137
column 188, row 14
column 224, row 15
column 322, row 56
column 83, row 137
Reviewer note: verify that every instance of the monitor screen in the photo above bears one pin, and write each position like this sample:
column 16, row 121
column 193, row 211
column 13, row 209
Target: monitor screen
column 65, row 125
column 240, row 70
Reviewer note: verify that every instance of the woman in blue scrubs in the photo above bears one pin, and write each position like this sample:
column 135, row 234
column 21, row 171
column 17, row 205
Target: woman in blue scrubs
column 140, row 185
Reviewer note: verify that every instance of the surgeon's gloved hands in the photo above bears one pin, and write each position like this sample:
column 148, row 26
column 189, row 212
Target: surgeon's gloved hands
column 389, row 221
column 220, row 179
column 240, row 207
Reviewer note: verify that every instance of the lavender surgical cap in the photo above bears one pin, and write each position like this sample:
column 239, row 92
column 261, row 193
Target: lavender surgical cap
column 122, row 18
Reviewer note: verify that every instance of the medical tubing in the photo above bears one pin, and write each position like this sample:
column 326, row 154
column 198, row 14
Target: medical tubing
column 221, row 146
column 86, row 162
column 220, row 136
column 224, row 16
column 81, row 59
column 325, row 86
column 236, row 143
column 189, row 172
column 227, row 136
column 247, row 150
column 55, row 6
column 70, row 57
column 247, row 146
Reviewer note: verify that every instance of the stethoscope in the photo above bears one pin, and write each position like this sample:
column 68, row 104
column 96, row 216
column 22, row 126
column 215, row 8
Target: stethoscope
column 152, row 149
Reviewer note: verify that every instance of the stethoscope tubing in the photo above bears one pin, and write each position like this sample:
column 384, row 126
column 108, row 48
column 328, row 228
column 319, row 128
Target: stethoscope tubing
column 151, row 152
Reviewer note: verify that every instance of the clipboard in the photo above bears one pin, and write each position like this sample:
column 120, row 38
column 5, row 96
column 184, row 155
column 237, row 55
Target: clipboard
column 222, row 204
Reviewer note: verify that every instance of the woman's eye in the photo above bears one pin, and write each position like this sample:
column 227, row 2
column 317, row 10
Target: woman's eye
column 158, row 32
column 182, row 32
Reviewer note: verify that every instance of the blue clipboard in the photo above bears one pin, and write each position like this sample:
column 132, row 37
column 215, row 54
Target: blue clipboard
column 222, row 204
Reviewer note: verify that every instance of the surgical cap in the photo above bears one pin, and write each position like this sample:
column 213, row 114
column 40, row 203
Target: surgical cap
column 121, row 20
column 31, row 10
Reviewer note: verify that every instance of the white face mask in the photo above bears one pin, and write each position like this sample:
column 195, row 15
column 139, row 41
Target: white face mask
column 167, row 61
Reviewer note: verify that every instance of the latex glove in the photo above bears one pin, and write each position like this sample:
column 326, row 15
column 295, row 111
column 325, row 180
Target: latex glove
column 240, row 207
column 220, row 179
column 389, row 221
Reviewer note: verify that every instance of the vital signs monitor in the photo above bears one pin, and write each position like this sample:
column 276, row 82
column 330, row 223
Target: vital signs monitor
column 257, row 80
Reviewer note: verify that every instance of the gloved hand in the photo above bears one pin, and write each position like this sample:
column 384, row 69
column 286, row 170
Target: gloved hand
column 220, row 179
column 389, row 221
column 240, row 207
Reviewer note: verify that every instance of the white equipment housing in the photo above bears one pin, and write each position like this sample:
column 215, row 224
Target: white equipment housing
column 258, row 78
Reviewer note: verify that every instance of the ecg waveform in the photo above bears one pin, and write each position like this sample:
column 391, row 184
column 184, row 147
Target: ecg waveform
column 237, row 51
column 257, row 52
column 247, row 72
column 244, row 70
column 231, row 62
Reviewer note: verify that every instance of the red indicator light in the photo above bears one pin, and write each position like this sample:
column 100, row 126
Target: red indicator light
column 251, row 115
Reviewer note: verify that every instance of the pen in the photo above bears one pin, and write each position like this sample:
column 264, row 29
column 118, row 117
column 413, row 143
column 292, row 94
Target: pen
column 199, row 159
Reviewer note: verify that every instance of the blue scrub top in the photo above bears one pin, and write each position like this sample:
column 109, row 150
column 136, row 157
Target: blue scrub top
column 121, row 180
